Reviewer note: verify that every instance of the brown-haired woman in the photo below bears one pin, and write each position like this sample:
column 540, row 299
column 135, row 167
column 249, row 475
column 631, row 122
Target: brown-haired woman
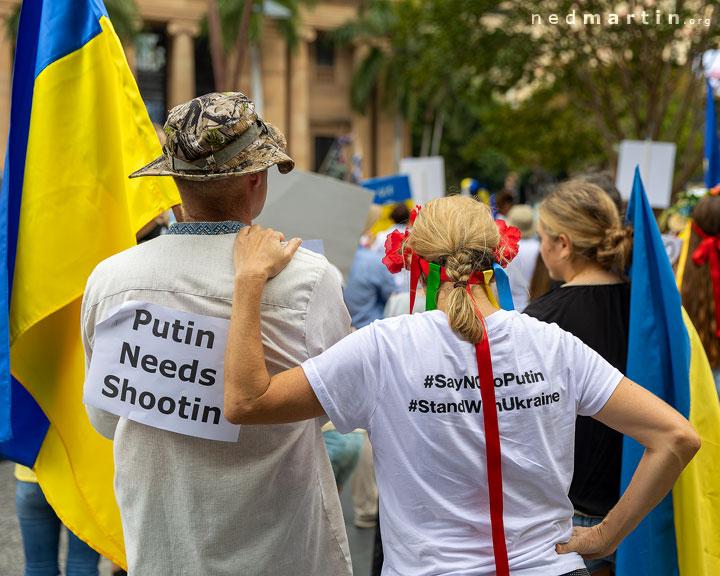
column 584, row 244
column 411, row 381
column 698, row 290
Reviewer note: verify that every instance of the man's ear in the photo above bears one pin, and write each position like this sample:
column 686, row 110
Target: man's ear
column 254, row 180
column 257, row 179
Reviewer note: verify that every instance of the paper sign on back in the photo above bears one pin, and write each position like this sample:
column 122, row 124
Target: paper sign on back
column 163, row 368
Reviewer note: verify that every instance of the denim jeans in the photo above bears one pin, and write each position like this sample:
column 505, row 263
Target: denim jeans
column 597, row 563
column 40, row 528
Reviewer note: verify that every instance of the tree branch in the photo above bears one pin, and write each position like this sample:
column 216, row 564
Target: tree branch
column 686, row 173
column 216, row 45
column 241, row 43
column 629, row 89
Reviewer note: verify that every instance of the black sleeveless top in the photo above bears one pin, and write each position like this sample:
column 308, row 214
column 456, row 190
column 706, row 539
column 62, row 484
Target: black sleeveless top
column 598, row 315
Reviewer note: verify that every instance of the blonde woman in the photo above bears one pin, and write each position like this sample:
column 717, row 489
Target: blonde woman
column 412, row 382
column 584, row 245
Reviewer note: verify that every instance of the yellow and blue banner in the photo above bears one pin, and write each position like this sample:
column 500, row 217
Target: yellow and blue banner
column 78, row 127
column 659, row 360
column 389, row 191
column 696, row 495
column 663, row 358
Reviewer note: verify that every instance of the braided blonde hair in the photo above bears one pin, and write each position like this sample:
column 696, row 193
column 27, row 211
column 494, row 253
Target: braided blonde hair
column 458, row 233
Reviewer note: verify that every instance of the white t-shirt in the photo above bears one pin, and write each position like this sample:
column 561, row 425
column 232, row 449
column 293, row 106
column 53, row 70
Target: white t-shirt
column 412, row 383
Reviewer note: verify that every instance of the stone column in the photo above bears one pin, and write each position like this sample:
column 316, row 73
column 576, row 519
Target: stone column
column 274, row 76
column 299, row 142
column 385, row 150
column 181, row 66
column 6, row 67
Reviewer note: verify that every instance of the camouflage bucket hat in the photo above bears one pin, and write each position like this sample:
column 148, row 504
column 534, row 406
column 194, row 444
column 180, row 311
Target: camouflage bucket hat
column 216, row 136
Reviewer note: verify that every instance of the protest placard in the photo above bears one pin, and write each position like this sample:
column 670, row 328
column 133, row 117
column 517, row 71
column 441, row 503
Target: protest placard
column 163, row 368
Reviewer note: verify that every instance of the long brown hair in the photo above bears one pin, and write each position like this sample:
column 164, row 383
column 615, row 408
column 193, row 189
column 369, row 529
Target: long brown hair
column 697, row 289
column 459, row 233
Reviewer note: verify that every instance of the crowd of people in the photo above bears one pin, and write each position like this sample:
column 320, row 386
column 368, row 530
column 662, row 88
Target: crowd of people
column 494, row 435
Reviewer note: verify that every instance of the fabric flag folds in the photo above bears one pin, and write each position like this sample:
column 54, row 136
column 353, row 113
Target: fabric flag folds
column 78, row 127
column 712, row 141
column 659, row 360
column 665, row 356
column 696, row 495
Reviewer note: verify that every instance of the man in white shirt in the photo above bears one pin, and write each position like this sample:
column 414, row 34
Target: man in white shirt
column 266, row 504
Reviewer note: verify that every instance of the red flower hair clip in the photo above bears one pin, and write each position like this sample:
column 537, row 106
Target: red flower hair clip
column 398, row 254
column 396, row 251
column 509, row 245
column 414, row 212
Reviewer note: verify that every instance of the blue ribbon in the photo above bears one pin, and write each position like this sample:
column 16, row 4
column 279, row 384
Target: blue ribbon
column 503, row 287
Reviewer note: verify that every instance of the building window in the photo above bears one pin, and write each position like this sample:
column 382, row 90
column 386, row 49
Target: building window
column 324, row 51
column 323, row 147
column 150, row 51
column 204, row 77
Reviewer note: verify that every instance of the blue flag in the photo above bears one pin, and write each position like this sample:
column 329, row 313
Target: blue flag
column 659, row 360
column 389, row 189
column 712, row 142
column 23, row 424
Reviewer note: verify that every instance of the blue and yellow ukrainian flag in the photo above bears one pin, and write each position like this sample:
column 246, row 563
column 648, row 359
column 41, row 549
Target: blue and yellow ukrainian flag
column 681, row 535
column 78, row 127
column 696, row 496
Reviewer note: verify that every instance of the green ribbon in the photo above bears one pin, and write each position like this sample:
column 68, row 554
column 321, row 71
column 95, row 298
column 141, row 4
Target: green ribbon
column 433, row 283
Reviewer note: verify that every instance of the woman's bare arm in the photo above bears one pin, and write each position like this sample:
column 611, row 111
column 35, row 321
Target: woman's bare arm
column 251, row 396
column 670, row 443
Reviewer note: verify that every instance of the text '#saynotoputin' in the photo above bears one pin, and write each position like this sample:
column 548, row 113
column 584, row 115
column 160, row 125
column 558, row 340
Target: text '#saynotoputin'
column 473, row 382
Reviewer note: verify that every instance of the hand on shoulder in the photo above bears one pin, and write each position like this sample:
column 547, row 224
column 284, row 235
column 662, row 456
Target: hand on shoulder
column 262, row 252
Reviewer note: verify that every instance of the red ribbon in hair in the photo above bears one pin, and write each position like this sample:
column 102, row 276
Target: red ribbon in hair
column 492, row 431
column 708, row 250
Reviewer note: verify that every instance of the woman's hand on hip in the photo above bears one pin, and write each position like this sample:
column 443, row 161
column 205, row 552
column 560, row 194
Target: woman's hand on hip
column 588, row 542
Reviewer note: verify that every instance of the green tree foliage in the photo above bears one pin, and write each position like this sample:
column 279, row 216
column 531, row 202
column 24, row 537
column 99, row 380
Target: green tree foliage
column 433, row 61
column 425, row 53
column 632, row 75
column 235, row 34
column 544, row 132
column 560, row 96
column 231, row 17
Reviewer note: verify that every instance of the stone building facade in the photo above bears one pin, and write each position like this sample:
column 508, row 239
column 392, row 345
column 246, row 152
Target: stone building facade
column 305, row 91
